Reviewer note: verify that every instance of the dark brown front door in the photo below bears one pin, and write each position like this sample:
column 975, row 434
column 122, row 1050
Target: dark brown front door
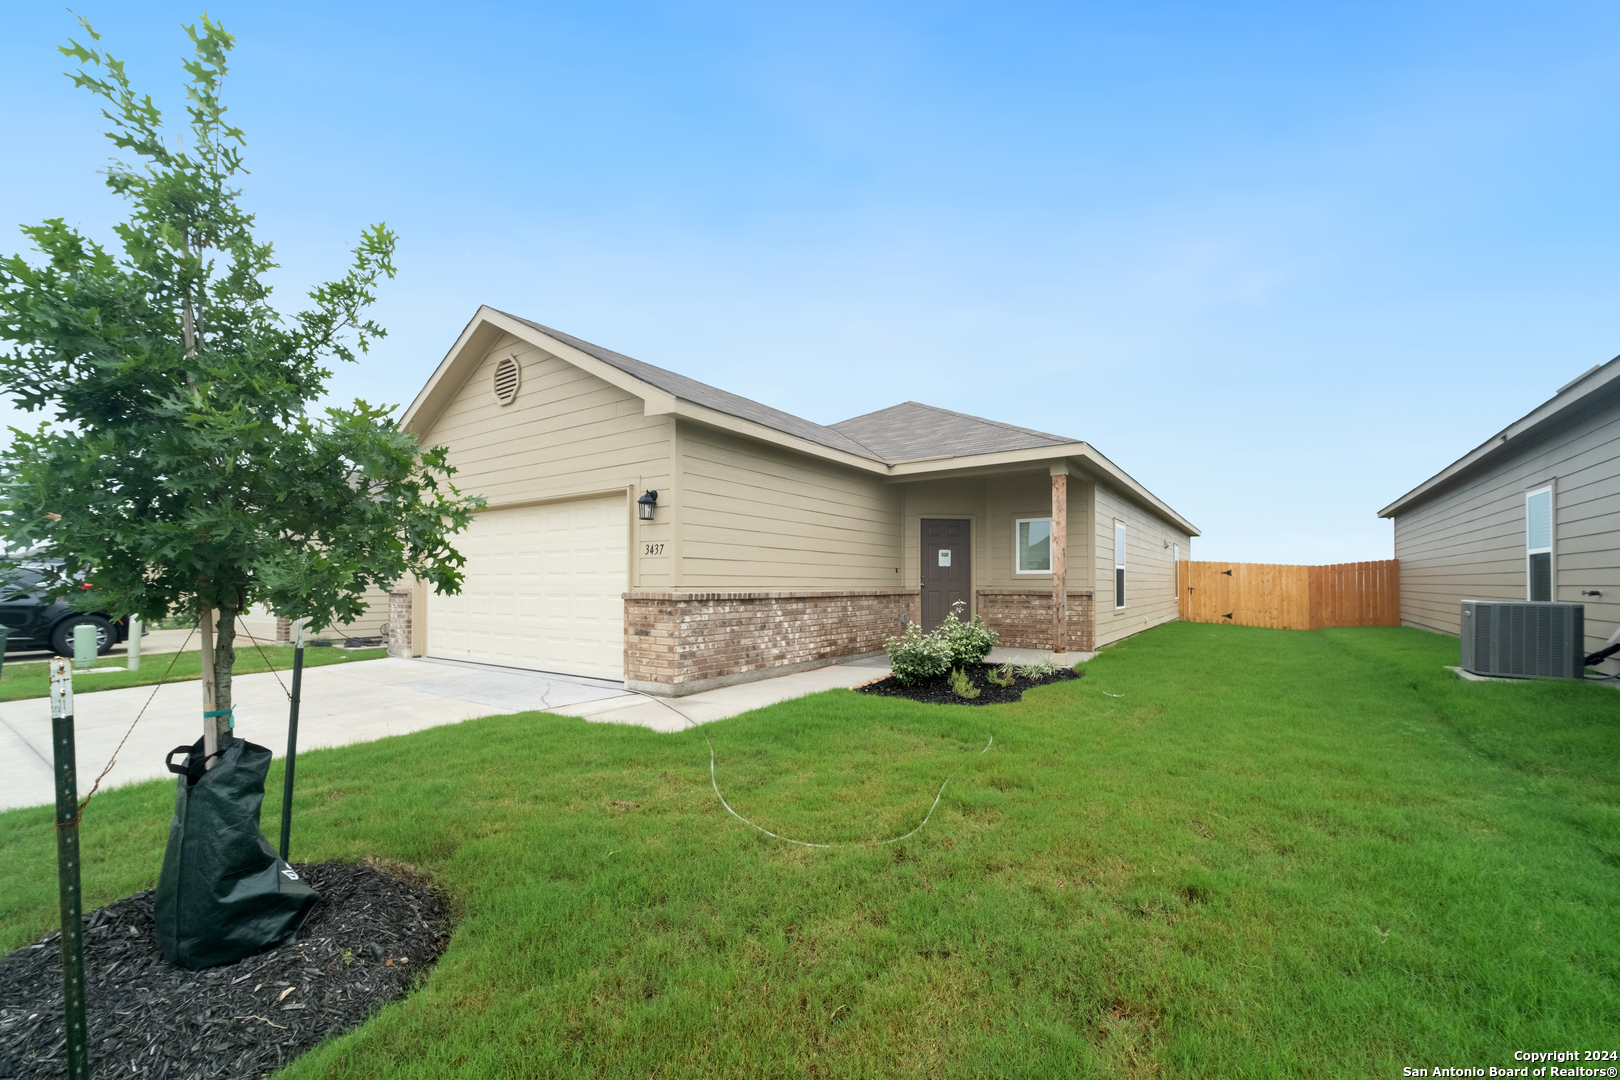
column 947, row 569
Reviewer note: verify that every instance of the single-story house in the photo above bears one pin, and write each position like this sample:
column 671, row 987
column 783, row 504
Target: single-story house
column 1532, row 513
column 645, row 527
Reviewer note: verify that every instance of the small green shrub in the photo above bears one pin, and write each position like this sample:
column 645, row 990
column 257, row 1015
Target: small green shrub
column 916, row 657
column 1004, row 675
column 962, row 686
column 1038, row 670
column 969, row 642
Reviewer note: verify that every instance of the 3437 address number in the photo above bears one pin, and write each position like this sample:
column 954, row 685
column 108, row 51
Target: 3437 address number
column 652, row 549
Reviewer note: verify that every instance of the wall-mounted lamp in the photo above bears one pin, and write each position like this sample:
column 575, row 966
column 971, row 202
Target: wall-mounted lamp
column 646, row 504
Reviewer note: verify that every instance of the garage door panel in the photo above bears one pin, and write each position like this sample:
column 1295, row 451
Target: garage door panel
column 544, row 590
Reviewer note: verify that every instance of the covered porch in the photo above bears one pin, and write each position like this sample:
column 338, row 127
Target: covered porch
column 1012, row 543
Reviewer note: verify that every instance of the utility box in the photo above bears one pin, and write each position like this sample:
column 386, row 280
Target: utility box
column 84, row 647
column 1524, row 639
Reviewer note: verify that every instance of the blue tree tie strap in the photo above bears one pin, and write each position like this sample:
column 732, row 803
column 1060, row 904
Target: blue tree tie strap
column 231, row 724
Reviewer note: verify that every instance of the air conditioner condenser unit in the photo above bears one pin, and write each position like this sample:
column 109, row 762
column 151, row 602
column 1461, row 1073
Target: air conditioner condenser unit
column 1524, row 640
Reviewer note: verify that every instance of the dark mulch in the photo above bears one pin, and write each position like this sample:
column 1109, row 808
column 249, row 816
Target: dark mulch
column 367, row 942
column 938, row 691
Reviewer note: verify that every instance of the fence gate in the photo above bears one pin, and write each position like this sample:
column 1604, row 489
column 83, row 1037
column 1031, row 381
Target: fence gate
column 1291, row 597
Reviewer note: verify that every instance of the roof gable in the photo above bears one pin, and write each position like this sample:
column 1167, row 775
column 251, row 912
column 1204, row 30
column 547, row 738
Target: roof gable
column 912, row 431
column 1597, row 387
column 710, row 397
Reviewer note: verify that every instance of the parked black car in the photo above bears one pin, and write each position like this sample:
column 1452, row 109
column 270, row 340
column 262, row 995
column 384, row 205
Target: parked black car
column 37, row 622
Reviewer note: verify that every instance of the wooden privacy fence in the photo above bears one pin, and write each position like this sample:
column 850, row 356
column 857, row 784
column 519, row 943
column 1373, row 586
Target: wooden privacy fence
column 1291, row 597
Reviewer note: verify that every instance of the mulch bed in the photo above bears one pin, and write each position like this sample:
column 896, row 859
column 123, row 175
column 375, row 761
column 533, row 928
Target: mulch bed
column 937, row 691
column 368, row 941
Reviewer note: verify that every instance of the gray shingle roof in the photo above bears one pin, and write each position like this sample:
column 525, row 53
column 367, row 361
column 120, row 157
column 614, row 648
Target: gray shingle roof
column 905, row 432
column 710, row 397
column 912, row 432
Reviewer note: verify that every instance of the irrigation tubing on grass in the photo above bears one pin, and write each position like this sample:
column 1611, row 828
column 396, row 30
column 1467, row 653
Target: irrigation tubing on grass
column 715, row 783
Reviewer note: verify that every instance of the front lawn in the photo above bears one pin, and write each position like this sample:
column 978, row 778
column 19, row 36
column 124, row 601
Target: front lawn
column 1276, row 854
column 32, row 678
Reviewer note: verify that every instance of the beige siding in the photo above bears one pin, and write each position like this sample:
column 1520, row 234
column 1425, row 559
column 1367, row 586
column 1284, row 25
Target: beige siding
column 1469, row 541
column 994, row 504
column 1150, row 572
column 371, row 622
column 753, row 516
column 567, row 434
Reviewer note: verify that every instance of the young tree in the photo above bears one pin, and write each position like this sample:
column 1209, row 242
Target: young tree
column 185, row 469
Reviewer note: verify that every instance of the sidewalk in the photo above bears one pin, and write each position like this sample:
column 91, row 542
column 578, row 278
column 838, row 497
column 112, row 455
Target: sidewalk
column 355, row 702
column 156, row 642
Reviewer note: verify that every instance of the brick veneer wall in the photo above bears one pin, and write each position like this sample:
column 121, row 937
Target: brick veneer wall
column 679, row 641
column 399, row 623
column 1022, row 618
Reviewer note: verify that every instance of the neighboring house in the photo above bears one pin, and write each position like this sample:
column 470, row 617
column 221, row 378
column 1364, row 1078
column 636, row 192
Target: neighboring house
column 1531, row 514
column 369, row 626
column 774, row 543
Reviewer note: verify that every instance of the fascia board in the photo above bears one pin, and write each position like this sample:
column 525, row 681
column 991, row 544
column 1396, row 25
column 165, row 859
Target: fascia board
column 479, row 337
column 657, row 401
column 736, row 425
column 428, row 403
column 932, row 468
column 1509, row 440
column 1101, row 466
column 1091, row 465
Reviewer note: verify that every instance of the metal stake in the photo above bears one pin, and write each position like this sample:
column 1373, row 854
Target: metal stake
column 67, row 870
column 292, row 739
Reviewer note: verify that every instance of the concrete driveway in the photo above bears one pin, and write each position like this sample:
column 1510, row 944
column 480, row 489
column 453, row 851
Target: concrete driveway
column 348, row 703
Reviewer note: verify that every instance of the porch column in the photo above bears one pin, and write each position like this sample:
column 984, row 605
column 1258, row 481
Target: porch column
column 1060, row 559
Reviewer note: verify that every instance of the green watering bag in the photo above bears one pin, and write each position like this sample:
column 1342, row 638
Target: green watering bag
column 223, row 893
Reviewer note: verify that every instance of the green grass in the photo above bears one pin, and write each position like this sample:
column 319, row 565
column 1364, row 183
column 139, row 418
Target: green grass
column 1277, row 854
column 31, row 679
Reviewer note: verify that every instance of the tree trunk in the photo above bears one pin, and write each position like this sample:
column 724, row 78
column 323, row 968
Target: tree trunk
column 224, row 658
column 211, row 724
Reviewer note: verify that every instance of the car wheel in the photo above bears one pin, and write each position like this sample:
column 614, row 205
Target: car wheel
column 62, row 636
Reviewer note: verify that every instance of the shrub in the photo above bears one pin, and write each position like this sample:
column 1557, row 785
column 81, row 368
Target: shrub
column 1004, row 675
column 962, row 686
column 1038, row 670
column 968, row 642
column 916, row 657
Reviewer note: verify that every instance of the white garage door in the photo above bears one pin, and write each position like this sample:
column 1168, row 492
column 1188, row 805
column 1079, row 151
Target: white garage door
column 544, row 590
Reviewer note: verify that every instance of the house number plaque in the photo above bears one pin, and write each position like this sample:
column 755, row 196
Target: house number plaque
column 652, row 549
column 944, row 556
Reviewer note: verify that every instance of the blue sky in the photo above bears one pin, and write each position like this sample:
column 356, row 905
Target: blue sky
column 1280, row 262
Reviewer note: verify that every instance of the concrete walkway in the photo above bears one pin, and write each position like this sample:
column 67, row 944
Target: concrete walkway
column 355, row 702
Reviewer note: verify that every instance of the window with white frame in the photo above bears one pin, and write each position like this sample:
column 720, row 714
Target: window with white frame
column 1119, row 564
column 1032, row 544
column 1538, row 544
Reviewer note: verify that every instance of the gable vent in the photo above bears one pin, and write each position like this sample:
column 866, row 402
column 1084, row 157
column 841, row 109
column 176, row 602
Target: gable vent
column 508, row 374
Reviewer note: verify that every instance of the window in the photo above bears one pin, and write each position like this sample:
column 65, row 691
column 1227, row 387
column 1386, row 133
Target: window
column 1119, row 564
column 1178, row 553
column 1538, row 544
column 1033, row 544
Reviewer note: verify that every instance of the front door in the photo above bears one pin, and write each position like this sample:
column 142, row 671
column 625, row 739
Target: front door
column 947, row 569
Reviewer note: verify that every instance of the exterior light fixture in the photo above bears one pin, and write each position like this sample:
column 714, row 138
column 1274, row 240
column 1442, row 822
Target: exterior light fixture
column 646, row 504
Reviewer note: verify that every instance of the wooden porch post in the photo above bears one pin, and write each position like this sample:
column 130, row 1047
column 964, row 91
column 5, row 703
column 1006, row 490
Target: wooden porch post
column 1060, row 560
